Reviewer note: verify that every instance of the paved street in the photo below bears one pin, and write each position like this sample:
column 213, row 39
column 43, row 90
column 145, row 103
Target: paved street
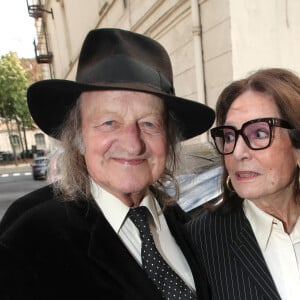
column 16, row 181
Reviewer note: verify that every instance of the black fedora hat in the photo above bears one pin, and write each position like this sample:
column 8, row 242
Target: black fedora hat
column 116, row 59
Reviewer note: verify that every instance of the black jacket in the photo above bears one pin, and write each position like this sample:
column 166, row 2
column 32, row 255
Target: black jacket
column 50, row 249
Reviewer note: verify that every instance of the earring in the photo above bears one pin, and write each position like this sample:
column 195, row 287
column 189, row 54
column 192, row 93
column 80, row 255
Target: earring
column 229, row 185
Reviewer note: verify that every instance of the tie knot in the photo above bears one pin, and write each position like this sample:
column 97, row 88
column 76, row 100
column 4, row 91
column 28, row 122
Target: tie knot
column 139, row 216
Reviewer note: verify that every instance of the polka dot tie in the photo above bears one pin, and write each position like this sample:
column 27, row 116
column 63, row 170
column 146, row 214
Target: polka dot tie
column 167, row 281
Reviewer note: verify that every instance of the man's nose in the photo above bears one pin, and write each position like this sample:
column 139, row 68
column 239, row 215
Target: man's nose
column 132, row 139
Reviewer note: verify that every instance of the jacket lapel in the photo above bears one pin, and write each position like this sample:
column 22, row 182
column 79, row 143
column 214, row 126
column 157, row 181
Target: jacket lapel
column 247, row 252
column 109, row 253
column 176, row 220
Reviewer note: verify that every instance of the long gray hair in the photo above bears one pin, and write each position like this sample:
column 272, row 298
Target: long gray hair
column 69, row 170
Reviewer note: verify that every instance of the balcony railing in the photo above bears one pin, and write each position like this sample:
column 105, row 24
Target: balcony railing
column 36, row 10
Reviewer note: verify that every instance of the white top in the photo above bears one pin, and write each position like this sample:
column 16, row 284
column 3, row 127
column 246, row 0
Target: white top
column 115, row 211
column 280, row 249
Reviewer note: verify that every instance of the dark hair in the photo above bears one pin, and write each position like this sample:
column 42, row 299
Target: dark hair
column 284, row 88
column 71, row 176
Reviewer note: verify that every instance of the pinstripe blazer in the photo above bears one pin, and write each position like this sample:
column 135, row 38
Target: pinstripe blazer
column 225, row 244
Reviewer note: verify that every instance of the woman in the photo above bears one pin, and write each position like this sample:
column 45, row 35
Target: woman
column 249, row 241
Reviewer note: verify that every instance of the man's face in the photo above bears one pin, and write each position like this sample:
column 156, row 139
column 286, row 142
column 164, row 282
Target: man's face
column 124, row 134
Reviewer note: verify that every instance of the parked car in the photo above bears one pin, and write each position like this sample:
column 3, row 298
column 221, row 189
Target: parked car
column 30, row 154
column 40, row 167
column 26, row 154
column 1, row 155
column 6, row 156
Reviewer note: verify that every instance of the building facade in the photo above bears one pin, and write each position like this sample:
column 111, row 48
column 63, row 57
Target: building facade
column 13, row 142
column 210, row 42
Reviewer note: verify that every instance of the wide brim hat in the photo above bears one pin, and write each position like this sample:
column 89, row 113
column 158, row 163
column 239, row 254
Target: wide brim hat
column 116, row 59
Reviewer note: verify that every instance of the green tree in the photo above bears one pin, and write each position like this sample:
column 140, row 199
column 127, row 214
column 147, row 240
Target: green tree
column 13, row 107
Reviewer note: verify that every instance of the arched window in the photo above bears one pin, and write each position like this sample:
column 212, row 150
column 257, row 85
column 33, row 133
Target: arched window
column 39, row 139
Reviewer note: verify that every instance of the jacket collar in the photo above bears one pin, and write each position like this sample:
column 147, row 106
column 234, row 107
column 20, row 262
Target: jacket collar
column 107, row 252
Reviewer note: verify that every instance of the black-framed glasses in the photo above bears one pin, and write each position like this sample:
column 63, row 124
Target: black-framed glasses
column 257, row 134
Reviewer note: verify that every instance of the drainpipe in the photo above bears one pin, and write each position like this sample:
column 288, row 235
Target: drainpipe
column 199, row 69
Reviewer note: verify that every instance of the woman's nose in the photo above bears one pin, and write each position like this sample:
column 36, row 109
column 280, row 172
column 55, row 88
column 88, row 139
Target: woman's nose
column 241, row 149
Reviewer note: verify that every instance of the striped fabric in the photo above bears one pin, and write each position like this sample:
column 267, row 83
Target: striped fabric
column 235, row 267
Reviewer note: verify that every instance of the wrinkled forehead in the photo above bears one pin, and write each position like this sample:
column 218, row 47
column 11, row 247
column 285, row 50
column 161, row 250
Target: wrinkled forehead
column 122, row 102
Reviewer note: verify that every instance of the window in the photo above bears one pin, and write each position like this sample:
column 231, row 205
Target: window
column 39, row 139
column 15, row 140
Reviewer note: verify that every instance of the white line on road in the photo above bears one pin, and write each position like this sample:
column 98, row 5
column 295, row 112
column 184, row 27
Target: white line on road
column 16, row 174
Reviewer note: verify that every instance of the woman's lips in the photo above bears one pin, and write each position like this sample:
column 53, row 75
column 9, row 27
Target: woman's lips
column 240, row 175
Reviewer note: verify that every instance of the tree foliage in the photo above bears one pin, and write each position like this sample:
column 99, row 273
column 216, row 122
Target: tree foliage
column 13, row 86
column 14, row 82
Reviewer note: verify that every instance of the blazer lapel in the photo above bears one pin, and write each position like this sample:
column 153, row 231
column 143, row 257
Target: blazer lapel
column 176, row 220
column 247, row 252
column 110, row 254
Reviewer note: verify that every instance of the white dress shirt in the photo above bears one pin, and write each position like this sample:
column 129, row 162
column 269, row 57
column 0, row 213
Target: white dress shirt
column 115, row 211
column 280, row 249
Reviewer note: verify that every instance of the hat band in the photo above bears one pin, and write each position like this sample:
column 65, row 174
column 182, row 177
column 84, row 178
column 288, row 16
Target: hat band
column 122, row 69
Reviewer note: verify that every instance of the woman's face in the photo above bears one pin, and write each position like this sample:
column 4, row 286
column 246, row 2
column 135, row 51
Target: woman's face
column 266, row 174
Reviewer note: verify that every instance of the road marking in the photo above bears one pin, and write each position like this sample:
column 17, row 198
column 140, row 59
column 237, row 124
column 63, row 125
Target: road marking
column 15, row 174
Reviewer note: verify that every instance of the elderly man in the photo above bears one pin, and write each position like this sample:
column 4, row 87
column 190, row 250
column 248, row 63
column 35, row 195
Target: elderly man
column 107, row 229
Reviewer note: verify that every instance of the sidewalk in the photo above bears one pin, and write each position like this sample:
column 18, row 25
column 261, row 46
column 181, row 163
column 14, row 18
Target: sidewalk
column 12, row 168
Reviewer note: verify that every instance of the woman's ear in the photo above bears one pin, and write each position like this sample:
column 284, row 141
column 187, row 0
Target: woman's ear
column 298, row 158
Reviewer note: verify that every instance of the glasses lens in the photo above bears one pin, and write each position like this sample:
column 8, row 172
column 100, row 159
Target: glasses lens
column 258, row 134
column 225, row 139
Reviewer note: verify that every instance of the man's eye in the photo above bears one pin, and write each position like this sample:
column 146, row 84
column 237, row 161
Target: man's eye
column 109, row 123
column 148, row 124
column 150, row 127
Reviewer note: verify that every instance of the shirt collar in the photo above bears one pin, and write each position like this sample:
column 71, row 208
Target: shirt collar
column 260, row 221
column 115, row 211
column 295, row 234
